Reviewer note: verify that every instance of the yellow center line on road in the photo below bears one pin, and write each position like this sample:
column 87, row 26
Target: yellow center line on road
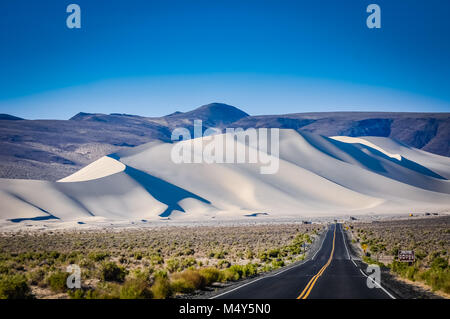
column 305, row 293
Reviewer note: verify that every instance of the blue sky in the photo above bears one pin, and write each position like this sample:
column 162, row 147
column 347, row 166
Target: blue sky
column 155, row 57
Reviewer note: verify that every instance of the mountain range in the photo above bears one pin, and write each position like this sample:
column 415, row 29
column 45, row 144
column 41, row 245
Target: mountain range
column 53, row 149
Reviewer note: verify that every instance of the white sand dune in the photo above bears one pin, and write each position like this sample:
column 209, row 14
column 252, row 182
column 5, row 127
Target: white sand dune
column 317, row 176
column 104, row 166
column 357, row 140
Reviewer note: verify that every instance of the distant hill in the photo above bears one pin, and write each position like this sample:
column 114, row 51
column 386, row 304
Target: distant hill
column 53, row 149
column 427, row 131
column 8, row 117
column 214, row 114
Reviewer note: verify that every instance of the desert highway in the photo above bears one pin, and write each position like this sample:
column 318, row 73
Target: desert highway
column 329, row 274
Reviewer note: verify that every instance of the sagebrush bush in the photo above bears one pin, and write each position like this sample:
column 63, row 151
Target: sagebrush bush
column 112, row 272
column 57, row 281
column 236, row 272
column 98, row 256
column 210, row 274
column 135, row 289
column 437, row 279
column 143, row 274
column 37, row 277
column 439, row 263
column 161, row 288
column 233, row 273
column 187, row 281
column 14, row 287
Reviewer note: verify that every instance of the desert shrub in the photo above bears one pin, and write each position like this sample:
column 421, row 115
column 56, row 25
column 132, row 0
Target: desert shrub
column 156, row 259
column 87, row 263
column 233, row 273
column 420, row 254
column 277, row 264
column 14, row 287
column 173, row 265
column 437, row 279
column 138, row 255
column 4, row 268
column 236, row 272
column 98, row 256
column 249, row 270
column 54, row 255
column 273, row 253
column 210, row 274
column 217, row 255
column 224, row 264
column 188, row 262
column 10, row 267
column 404, row 270
column 264, row 257
column 394, row 251
column 112, row 272
column 104, row 290
column 179, row 264
column 371, row 261
column 37, row 277
column 161, row 288
column 57, row 281
column 90, row 294
column 249, row 254
column 187, row 281
column 399, row 268
column 135, row 289
column 411, row 272
column 186, row 252
column 181, row 285
column 143, row 274
column 439, row 263
column 77, row 294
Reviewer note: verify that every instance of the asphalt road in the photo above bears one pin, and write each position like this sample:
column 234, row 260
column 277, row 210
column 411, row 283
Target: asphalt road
column 329, row 274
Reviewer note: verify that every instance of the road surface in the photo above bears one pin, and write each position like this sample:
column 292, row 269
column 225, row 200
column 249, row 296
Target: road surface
column 330, row 274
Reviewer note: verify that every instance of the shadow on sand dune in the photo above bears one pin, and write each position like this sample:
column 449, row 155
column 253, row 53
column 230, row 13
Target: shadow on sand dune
column 163, row 191
column 355, row 151
column 18, row 220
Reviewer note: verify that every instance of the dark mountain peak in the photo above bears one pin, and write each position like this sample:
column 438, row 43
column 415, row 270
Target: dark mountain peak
column 221, row 108
column 174, row 113
column 82, row 116
column 125, row 115
column 8, row 117
column 216, row 113
column 213, row 114
column 100, row 117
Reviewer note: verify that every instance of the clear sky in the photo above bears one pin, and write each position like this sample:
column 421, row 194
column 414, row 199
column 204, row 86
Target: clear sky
column 266, row 57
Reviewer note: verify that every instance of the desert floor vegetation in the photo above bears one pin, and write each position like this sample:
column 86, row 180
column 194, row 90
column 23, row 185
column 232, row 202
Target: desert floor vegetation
column 429, row 238
column 161, row 262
